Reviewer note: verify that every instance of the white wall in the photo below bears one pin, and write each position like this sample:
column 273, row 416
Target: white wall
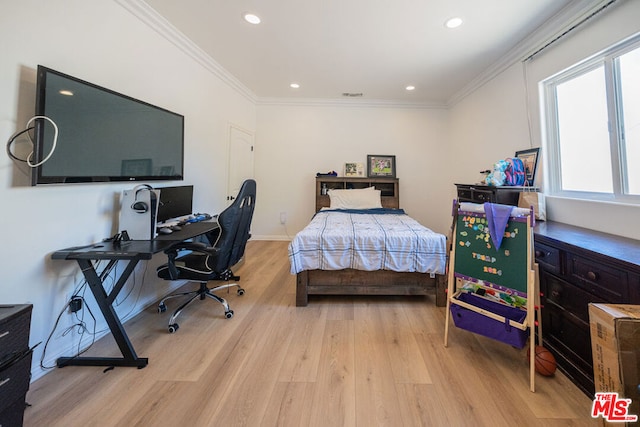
column 492, row 122
column 105, row 44
column 294, row 142
column 488, row 125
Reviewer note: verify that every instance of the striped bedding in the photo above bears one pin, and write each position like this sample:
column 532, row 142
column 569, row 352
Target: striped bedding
column 372, row 239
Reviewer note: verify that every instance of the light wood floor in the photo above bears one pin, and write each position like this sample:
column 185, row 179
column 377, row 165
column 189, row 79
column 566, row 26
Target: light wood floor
column 341, row 361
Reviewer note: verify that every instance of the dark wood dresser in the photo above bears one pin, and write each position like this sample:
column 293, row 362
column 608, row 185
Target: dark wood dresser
column 15, row 362
column 579, row 266
column 478, row 193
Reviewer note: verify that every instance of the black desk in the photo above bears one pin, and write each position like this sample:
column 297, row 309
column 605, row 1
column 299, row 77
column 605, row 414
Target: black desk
column 131, row 251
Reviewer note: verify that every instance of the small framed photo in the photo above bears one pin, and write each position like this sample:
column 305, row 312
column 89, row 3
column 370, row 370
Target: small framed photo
column 530, row 160
column 354, row 169
column 381, row 166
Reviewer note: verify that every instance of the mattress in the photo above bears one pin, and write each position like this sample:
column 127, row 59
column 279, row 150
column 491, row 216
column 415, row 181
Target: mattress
column 369, row 240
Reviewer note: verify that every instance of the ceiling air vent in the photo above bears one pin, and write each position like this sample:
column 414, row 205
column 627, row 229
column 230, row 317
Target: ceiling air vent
column 351, row 94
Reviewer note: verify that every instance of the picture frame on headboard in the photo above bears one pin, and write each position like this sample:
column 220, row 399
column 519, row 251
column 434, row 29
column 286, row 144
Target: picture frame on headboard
column 354, row 169
column 379, row 165
column 530, row 160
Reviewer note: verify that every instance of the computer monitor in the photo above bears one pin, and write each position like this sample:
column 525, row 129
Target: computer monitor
column 175, row 202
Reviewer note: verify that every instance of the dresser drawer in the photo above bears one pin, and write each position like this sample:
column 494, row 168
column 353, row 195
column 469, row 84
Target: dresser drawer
column 569, row 339
column 599, row 279
column 482, row 196
column 13, row 415
column 568, row 297
column 14, row 331
column 465, row 194
column 548, row 258
column 14, row 381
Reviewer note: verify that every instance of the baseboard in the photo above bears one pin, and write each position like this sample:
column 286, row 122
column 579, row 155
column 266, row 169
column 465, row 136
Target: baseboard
column 272, row 237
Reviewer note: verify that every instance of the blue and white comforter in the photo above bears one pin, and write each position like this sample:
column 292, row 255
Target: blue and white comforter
column 361, row 240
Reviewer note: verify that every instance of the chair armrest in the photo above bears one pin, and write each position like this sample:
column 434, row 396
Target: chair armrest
column 192, row 246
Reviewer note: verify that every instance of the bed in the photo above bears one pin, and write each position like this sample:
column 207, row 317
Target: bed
column 356, row 247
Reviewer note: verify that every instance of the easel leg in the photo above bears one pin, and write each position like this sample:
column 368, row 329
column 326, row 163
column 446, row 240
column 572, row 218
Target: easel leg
column 450, row 292
column 536, row 269
column 532, row 308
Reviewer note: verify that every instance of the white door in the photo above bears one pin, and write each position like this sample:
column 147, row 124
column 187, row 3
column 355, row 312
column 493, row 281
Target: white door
column 240, row 160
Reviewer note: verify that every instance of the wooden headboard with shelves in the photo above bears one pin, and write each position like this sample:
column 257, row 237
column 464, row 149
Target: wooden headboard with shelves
column 389, row 194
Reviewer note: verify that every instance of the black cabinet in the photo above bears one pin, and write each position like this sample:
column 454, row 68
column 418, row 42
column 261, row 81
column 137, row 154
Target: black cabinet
column 577, row 267
column 478, row 193
column 15, row 362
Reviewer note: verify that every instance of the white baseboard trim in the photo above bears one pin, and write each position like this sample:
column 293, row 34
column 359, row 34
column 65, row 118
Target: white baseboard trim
column 272, row 237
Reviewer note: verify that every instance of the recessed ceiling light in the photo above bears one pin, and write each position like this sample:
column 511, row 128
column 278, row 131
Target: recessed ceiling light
column 251, row 18
column 294, row 85
column 65, row 92
column 453, row 23
column 410, row 87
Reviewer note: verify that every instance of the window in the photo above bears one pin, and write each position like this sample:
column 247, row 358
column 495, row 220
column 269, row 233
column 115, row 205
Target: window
column 593, row 126
column 629, row 68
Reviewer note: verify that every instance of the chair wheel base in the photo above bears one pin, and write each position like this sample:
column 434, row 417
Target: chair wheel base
column 240, row 291
column 228, row 314
column 173, row 328
column 162, row 308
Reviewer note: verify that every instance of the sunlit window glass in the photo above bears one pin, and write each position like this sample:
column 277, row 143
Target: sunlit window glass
column 585, row 155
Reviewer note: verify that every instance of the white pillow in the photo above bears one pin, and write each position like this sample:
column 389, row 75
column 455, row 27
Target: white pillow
column 366, row 198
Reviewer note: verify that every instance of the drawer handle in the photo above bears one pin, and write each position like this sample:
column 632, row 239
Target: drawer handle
column 3, row 382
column 540, row 254
column 555, row 293
column 4, row 334
column 592, row 276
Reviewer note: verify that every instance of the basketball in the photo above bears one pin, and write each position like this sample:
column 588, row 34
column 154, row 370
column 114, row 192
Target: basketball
column 545, row 362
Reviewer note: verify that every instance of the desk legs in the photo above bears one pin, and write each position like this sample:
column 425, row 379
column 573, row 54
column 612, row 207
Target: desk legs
column 105, row 302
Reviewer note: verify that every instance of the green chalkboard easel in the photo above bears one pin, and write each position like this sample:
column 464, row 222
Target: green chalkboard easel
column 478, row 258
column 505, row 276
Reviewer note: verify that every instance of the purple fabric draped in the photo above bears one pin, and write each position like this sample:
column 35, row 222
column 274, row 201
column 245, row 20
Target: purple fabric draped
column 497, row 218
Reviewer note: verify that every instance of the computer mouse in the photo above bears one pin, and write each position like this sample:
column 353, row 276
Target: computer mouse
column 175, row 228
column 165, row 230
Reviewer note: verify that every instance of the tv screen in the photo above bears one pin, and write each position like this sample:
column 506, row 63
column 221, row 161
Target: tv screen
column 102, row 135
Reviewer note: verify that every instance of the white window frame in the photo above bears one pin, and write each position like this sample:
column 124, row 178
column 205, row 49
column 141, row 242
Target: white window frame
column 608, row 59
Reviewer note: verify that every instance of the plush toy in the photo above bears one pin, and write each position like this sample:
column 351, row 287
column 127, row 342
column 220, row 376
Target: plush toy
column 497, row 176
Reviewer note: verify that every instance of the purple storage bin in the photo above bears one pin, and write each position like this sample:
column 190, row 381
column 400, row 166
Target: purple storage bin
column 490, row 328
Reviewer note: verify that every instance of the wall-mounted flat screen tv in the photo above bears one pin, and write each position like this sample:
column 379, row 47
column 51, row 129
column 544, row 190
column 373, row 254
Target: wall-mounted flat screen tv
column 102, row 135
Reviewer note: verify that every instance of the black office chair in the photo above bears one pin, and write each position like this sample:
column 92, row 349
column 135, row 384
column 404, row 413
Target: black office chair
column 214, row 262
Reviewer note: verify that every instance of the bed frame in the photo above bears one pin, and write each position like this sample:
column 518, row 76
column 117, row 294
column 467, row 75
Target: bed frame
column 357, row 282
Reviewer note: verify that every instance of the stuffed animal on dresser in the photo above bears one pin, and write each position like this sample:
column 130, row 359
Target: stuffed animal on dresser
column 497, row 175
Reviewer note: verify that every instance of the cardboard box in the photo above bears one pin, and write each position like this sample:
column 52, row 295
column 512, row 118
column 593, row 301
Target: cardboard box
column 615, row 344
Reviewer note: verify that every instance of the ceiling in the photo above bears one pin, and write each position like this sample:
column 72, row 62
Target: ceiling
column 373, row 47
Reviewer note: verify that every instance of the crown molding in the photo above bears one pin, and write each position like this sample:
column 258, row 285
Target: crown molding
column 354, row 103
column 556, row 25
column 159, row 24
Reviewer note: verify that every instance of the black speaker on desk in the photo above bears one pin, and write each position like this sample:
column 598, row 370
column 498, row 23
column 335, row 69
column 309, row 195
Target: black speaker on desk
column 139, row 211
